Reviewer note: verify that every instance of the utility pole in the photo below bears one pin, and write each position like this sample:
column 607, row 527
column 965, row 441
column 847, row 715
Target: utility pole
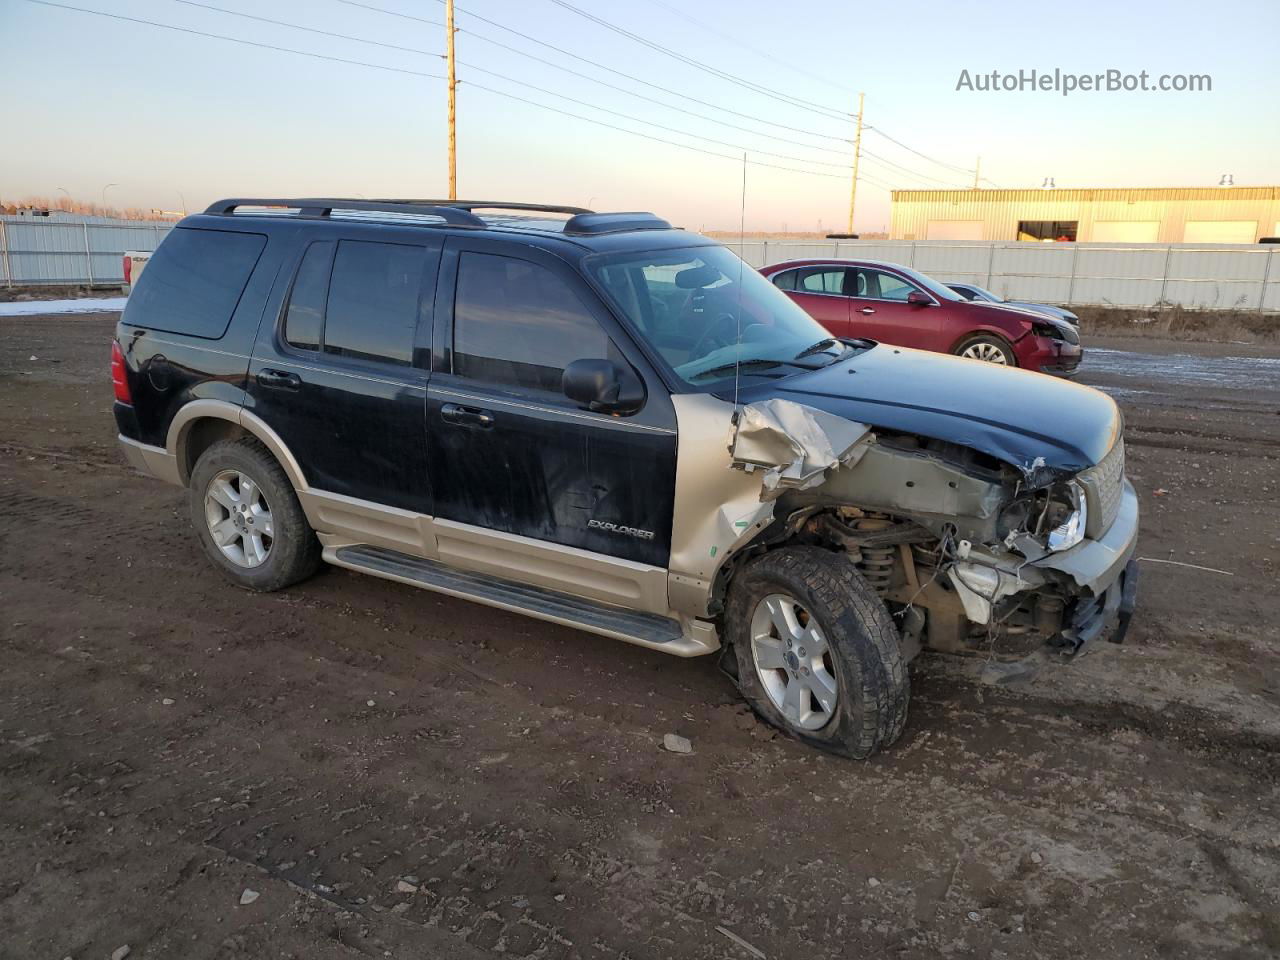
column 453, row 101
column 857, row 152
column 976, row 171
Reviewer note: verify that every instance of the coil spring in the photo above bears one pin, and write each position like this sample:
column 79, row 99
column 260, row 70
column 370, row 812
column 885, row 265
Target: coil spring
column 876, row 565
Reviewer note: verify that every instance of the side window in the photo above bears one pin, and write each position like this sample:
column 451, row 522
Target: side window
column 304, row 320
column 193, row 282
column 893, row 288
column 373, row 304
column 517, row 323
column 786, row 280
column 820, row 280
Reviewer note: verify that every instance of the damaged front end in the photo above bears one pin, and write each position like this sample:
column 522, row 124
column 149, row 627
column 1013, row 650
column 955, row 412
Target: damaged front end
column 970, row 552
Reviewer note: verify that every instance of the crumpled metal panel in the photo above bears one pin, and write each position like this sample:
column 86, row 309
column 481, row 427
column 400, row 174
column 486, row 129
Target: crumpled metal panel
column 794, row 444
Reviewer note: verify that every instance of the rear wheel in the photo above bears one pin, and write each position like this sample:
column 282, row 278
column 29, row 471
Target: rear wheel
column 989, row 348
column 817, row 651
column 248, row 518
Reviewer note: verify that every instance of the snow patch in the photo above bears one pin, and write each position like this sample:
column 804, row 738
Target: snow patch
column 31, row 308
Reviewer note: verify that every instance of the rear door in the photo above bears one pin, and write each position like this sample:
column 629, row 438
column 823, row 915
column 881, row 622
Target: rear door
column 880, row 310
column 509, row 453
column 820, row 291
column 340, row 371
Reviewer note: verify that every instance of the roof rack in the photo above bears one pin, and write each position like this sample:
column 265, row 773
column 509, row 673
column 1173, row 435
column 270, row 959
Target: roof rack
column 590, row 224
column 460, row 213
column 324, row 206
column 496, row 205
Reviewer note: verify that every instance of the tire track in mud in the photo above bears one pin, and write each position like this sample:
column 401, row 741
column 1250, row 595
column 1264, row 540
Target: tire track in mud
column 350, row 849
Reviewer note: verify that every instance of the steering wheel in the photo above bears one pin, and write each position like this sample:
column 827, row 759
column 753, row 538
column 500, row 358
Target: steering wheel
column 722, row 332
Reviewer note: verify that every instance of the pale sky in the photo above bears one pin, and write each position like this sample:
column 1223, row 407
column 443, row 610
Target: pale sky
column 90, row 101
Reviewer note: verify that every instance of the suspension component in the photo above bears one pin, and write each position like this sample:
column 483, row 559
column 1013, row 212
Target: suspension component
column 876, row 563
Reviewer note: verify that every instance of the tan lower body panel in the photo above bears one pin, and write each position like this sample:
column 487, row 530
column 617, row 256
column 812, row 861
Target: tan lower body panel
column 153, row 461
column 345, row 520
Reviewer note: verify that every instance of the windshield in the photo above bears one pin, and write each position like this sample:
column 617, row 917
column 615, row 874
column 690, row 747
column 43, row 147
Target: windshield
column 941, row 291
column 707, row 312
column 983, row 293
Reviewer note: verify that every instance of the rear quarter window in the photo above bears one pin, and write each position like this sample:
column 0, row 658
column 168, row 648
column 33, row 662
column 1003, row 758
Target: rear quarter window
column 194, row 281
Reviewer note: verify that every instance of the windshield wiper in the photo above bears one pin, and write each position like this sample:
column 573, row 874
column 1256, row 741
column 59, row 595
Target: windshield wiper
column 815, row 348
column 738, row 364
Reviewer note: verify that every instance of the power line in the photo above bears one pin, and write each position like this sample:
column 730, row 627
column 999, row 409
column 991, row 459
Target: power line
column 433, row 76
column 599, row 66
column 830, row 112
column 909, row 172
column 647, row 99
column 627, row 116
column 746, row 46
column 297, row 26
column 925, row 156
column 636, row 133
column 501, row 76
column 250, row 43
column 354, row 3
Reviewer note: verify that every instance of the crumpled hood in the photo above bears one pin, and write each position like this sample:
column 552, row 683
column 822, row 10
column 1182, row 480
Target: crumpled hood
column 1040, row 424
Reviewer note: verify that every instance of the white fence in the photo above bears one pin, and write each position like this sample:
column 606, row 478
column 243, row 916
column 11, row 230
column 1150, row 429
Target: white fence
column 1226, row 276
column 71, row 249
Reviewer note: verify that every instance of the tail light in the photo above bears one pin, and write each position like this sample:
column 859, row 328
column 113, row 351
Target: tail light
column 128, row 269
column 119, row 382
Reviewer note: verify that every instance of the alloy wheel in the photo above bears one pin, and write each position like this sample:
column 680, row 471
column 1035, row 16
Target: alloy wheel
column 239, row 518
column 986, row 351
column 793, row 662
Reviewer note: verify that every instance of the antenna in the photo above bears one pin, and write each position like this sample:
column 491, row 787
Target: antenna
column 742, row 247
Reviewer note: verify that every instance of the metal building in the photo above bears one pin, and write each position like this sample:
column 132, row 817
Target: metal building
column 1104, row 215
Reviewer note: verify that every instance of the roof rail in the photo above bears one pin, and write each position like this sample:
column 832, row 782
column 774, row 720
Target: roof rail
column 497, row 205
column 324, row 206
column 589, row 224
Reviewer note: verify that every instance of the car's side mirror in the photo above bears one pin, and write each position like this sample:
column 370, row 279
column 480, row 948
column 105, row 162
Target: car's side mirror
column 603, row 386
column 918, row 299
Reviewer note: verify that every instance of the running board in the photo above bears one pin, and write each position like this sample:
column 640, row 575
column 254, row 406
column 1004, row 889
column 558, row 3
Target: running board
column 644, row 629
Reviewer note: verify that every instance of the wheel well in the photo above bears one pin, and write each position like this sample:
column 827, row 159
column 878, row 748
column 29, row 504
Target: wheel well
column 200, row 436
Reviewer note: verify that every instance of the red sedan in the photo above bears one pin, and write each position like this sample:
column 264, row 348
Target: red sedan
column 895, row 304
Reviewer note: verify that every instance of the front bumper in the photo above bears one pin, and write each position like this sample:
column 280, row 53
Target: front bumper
column 1106, row 573
column 1044, row 355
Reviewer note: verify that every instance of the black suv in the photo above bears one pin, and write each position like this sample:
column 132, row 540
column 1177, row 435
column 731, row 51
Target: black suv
column 599, row 420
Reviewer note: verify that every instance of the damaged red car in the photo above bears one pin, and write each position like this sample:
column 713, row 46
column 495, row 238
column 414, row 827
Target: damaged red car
column 890, row 303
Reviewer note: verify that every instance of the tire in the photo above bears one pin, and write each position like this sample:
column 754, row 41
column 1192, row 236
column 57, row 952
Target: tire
column 862, row 655
column 242, row 472
column 988, row 347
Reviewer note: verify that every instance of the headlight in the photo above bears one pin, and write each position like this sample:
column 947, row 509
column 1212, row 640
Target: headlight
column 1071, row 530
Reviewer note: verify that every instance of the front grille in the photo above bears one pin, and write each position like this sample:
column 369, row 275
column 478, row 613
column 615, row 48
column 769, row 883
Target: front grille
column 1103, row 487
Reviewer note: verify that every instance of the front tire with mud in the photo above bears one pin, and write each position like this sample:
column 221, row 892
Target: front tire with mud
column 817, row 653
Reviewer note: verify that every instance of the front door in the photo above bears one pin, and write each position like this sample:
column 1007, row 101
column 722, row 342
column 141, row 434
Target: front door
column 509, row 453
column 340, row 371
column 879, row 310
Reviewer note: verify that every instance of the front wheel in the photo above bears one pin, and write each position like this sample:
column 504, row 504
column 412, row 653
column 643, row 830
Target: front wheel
column 817, row 651
column 989, row 348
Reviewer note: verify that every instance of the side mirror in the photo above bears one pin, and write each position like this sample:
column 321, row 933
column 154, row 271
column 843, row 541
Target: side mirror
column 918, row 299
column 603, row 386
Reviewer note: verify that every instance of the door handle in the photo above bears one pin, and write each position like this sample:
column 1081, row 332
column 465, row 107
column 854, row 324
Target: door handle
column 278, row 379
column 867, row 310
column 467, row 416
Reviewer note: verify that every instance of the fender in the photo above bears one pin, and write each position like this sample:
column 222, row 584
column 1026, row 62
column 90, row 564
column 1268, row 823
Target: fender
column 196, row 410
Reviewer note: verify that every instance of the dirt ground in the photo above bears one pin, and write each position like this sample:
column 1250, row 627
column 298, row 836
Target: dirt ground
column 400, row 774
